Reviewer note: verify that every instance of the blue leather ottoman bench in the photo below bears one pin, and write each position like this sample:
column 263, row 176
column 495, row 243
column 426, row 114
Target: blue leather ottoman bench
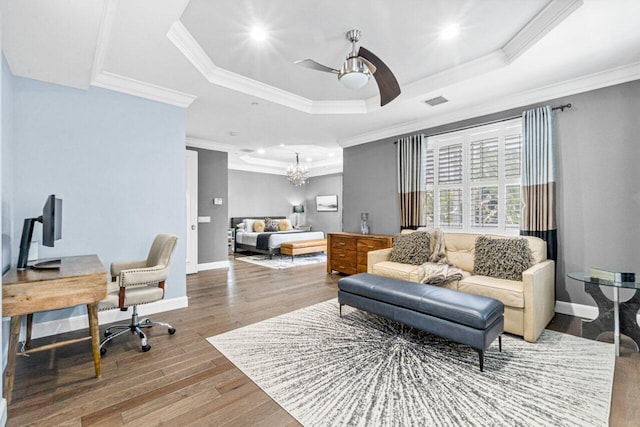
column 468, row 319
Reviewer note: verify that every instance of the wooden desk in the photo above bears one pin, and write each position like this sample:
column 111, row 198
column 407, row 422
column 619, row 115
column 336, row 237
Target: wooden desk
column 80, row 280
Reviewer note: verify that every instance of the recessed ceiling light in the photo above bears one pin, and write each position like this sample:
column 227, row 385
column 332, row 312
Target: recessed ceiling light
column 281, row 145
column 258, row 33
column 450, row 31
column 261, row 151
column 332, row 154
column 309, row 159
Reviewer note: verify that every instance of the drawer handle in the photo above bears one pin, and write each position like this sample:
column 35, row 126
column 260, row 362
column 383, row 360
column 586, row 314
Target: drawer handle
column 370, row 247
column 342, row 255
column 341, row 243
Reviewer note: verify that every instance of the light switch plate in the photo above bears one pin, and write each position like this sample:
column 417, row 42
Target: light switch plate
column 204, row 219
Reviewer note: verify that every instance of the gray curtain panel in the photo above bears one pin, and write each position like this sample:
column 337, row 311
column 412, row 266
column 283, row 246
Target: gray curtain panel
column 539, row 178
column 411, row 184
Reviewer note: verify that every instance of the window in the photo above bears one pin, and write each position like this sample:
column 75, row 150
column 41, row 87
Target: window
column 472, row 179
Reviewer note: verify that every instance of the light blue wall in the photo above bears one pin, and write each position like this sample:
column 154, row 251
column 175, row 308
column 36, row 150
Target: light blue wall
column 116, row 160
column 7, row 164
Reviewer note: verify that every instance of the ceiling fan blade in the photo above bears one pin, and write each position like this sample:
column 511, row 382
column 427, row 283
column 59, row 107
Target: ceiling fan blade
column 387, row 83
column 310, row 63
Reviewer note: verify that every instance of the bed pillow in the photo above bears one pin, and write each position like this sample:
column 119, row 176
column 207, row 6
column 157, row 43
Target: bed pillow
column 240, row 226
column 248, row 224
column 258, row 226
column 271, row 224
column 502, row 258
column 411, row 248
column 284, row 225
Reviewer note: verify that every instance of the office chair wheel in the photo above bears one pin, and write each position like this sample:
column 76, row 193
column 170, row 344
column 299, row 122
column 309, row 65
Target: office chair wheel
column 172, row 331
column 146, row 347
column 103, row 351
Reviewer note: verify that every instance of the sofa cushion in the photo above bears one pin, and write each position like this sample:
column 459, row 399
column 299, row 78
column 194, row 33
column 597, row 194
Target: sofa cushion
column 412, row 248
column 397, row 270
column 509, row 292
column 460, row 249
column 501, row 258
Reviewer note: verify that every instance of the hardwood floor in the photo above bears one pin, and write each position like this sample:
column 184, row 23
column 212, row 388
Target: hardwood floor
column 183, row 380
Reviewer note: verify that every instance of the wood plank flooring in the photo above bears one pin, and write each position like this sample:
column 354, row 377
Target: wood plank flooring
column 183, row 380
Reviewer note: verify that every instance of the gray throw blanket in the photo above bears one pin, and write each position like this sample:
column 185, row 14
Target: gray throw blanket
column 439, row 274
column 438, row 270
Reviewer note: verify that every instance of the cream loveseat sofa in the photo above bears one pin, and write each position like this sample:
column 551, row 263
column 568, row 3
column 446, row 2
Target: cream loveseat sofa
column 529, row 304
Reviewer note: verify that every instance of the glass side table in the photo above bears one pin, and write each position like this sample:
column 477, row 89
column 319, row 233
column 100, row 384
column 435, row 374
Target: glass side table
column 621, row 317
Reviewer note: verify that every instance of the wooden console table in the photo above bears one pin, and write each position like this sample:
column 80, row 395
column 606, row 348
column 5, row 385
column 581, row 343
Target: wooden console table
column 80, row 280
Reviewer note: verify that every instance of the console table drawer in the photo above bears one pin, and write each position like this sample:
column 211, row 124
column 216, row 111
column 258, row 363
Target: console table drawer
column 367, row 245
column 340, row 242
column 342, row 255
column 344, row 267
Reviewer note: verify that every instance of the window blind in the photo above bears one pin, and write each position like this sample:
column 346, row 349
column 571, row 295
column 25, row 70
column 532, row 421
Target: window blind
column 483, row 156
column 450, row 164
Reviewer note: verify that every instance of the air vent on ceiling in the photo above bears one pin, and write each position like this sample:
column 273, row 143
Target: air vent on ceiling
column 436, row 101
column 246, row 150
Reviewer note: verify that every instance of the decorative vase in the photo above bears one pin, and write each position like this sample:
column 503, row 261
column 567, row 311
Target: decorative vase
column 364, row 223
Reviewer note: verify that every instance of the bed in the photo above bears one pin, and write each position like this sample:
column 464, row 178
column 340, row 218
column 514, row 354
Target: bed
column 268, row 242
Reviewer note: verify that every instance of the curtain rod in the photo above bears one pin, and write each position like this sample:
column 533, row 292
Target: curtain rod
column 559, row 107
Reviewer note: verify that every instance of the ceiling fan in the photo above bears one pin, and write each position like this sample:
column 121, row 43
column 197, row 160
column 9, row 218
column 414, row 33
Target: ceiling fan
column 358, row 68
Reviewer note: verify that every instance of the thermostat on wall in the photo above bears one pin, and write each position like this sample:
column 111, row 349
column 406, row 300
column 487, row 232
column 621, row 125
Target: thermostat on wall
column 217, row 201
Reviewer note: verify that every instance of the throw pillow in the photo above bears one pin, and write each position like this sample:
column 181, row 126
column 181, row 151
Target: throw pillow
column 412, row 248
column 502, row 258
column 271, row 224
column 258, row 226
column 284, row 225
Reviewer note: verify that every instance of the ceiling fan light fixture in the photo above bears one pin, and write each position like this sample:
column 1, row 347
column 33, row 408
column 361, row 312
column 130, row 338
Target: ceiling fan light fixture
column 354, row 73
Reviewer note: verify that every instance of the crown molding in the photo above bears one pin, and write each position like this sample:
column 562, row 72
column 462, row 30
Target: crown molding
column 208, row 145
column 106, row 24
column 582, row 84
column 142, row 89
column 549, row 17
column 112, row 81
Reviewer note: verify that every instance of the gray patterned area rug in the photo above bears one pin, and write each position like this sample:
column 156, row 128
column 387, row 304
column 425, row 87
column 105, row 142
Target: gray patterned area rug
column 363, row 370
column 279, row 262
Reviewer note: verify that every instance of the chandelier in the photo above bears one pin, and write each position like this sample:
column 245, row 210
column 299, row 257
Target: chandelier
column 296, row 174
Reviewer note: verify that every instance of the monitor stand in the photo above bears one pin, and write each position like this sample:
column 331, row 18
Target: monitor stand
column 50, row 264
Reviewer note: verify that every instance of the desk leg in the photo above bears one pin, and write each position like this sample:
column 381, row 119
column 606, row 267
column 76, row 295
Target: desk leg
column 92, row 311
column 27, row 342
column 14, row 337
column 616, row 319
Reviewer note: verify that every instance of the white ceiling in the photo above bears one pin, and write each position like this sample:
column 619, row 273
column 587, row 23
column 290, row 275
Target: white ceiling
column 243, row 96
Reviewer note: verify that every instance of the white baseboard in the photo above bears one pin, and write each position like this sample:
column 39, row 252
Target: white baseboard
column 74, row 323
column 3, row 412
column 580, row 310
column 213, row 265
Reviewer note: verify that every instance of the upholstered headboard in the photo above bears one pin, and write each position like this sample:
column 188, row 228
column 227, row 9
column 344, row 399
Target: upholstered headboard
column 235, row 220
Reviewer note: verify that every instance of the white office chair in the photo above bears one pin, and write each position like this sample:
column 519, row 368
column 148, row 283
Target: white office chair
column 139, row 282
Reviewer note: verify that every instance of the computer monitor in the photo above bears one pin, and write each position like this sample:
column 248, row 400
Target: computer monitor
column 51, row 220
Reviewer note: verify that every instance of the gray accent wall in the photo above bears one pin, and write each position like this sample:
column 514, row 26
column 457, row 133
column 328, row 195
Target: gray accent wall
column 598, row 183
column 322, row 186
column 213, row 182
column 370, row 184
column 262, row 194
